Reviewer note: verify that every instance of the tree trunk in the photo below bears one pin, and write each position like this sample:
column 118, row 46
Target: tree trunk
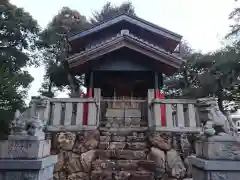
column 220, row 97
column 185, row 75
column 72, row 85
column 50, row 87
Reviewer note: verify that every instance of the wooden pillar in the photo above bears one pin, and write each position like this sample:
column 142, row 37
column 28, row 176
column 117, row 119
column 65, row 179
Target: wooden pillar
column 160, row 80
column 97, row 97
column 159, row 95
column 156, row 85
column 87, row 106
column 150, row 110
column 90, row 88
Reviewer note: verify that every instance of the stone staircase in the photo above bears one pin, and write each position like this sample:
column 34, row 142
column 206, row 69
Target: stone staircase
column 122, row 154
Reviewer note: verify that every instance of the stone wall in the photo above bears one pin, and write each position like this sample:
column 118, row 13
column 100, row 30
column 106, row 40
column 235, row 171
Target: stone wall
column 76, row 152
column 170, row 152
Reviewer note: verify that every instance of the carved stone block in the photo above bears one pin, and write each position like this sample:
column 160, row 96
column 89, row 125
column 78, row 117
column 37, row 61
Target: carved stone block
column 203, row 169
column 219, row 148
column 24, row 149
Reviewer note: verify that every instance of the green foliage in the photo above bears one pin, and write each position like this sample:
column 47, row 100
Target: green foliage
column 18, row 34
column 55, row 48
column 213, row 74
column 108, row 11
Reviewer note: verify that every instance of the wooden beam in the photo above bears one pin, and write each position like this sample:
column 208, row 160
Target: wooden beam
column 174, row 101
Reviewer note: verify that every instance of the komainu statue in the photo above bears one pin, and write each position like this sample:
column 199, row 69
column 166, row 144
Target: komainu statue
column 213, row 120
column 30, row 122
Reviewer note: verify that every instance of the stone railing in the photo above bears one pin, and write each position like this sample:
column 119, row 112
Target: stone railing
column 66, row 114
column 180, row 115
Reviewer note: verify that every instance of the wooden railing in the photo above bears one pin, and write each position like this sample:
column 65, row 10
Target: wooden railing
column 180, row 115
column 66, row 114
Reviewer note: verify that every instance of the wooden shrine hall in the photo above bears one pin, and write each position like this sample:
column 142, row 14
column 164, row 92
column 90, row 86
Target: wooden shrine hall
column 124, row 56
column 123, row 61
column 118, row 131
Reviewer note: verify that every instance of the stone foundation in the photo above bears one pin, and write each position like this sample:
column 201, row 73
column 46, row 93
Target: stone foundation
column 121, row 154
column 75, row 151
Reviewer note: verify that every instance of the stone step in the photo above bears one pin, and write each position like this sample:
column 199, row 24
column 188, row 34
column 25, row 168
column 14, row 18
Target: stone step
column 110, row 138
column 121, row 154
column 114, row 123
column 123, row 145
column 137, row 131
column 124, row 165
column 122, row 175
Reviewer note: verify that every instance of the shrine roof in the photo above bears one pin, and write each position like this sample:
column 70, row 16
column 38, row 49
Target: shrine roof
column 134, row 24
column 130, row 41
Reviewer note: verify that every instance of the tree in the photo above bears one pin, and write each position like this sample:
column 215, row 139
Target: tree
column 234, row 28
column 212, row 74
column 18, row 34
column 108, row 11
column 55, row 48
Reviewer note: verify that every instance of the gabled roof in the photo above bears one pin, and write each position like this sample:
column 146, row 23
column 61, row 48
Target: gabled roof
column 130, row 19
column 134, row 24
column 125, row 39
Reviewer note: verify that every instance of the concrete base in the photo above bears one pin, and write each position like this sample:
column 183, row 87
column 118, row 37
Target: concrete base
column 40, row 169
column 214, row 169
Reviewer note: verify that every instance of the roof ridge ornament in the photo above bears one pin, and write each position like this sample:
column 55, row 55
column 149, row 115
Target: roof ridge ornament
column 125, row 32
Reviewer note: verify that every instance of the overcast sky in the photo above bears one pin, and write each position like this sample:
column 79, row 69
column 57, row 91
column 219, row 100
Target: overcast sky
column 203, row 23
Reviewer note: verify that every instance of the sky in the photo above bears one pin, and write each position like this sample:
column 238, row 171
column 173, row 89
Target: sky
column 202, row 23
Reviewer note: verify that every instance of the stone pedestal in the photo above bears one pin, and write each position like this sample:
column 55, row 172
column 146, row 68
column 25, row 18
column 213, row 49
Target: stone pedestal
column 25, row 157
column 217, row 158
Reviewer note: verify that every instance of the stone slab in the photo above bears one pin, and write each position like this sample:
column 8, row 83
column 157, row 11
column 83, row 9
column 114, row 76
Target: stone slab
column 70, row 128
column 112, row 175
column 24, row 149
column 121, row 154
column 43, row 174
column 218, row 148
column 200, row 174
column 18, row 164
column 26, row 137
column 214, row 165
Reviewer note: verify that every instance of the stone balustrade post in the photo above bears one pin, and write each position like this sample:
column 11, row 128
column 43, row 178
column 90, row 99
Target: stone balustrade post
column 26, row 153
column 217, row 150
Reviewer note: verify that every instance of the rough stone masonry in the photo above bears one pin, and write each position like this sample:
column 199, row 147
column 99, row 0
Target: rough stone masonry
column 125, row 153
